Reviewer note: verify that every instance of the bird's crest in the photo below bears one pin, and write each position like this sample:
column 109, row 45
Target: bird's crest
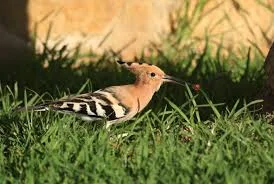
column 129, row 65
column 137, row 67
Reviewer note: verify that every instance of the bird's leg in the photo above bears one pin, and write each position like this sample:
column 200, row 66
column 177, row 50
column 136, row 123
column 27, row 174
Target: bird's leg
column 108, row 125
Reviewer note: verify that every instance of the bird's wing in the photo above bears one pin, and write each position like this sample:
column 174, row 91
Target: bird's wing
column 100, row 104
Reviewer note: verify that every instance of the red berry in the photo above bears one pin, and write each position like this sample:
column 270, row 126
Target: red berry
column 196, row 87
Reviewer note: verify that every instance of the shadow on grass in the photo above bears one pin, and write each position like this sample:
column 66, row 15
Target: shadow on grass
column 28, row 139
column 225, row 79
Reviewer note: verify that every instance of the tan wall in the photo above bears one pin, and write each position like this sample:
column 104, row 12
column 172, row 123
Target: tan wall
column 239, row 22
column 89, row 21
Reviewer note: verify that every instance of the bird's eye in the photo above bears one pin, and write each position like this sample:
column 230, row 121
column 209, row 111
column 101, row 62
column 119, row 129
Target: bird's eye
column 152, row 74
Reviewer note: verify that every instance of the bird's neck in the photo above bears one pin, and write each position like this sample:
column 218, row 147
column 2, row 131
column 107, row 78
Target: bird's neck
column 143, row 93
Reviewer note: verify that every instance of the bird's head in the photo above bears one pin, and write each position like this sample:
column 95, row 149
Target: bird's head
column 147, row 74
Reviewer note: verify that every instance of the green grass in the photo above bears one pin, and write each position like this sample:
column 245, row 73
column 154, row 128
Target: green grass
column 183, row 136
column 217, row 135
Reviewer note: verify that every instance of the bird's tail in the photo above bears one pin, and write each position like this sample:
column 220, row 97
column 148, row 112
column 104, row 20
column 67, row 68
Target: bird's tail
column 41, row 107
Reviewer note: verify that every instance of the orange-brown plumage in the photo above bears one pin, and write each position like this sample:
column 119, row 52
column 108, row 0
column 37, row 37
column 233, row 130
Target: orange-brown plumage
column 115, row 104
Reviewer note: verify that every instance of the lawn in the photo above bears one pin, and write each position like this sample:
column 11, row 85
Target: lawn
column 216, row 135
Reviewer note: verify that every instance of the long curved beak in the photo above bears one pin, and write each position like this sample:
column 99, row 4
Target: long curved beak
column 168, row 78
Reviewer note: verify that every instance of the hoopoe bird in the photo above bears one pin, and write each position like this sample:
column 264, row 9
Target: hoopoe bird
column 115, row 104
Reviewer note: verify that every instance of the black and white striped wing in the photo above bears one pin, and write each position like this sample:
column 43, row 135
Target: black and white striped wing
column 92, row 106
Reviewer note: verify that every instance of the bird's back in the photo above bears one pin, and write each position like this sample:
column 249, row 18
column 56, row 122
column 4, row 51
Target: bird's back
column 101, row 104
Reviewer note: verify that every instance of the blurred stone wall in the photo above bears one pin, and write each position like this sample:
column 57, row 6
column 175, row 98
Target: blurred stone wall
column 102, row 24
column 119, row 23
column 238, row 23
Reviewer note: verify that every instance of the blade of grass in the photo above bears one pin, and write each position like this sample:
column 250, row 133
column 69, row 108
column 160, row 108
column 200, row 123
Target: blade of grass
column 194, row 103
column 215, row 110
column 176, row 108
column 241, row 110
